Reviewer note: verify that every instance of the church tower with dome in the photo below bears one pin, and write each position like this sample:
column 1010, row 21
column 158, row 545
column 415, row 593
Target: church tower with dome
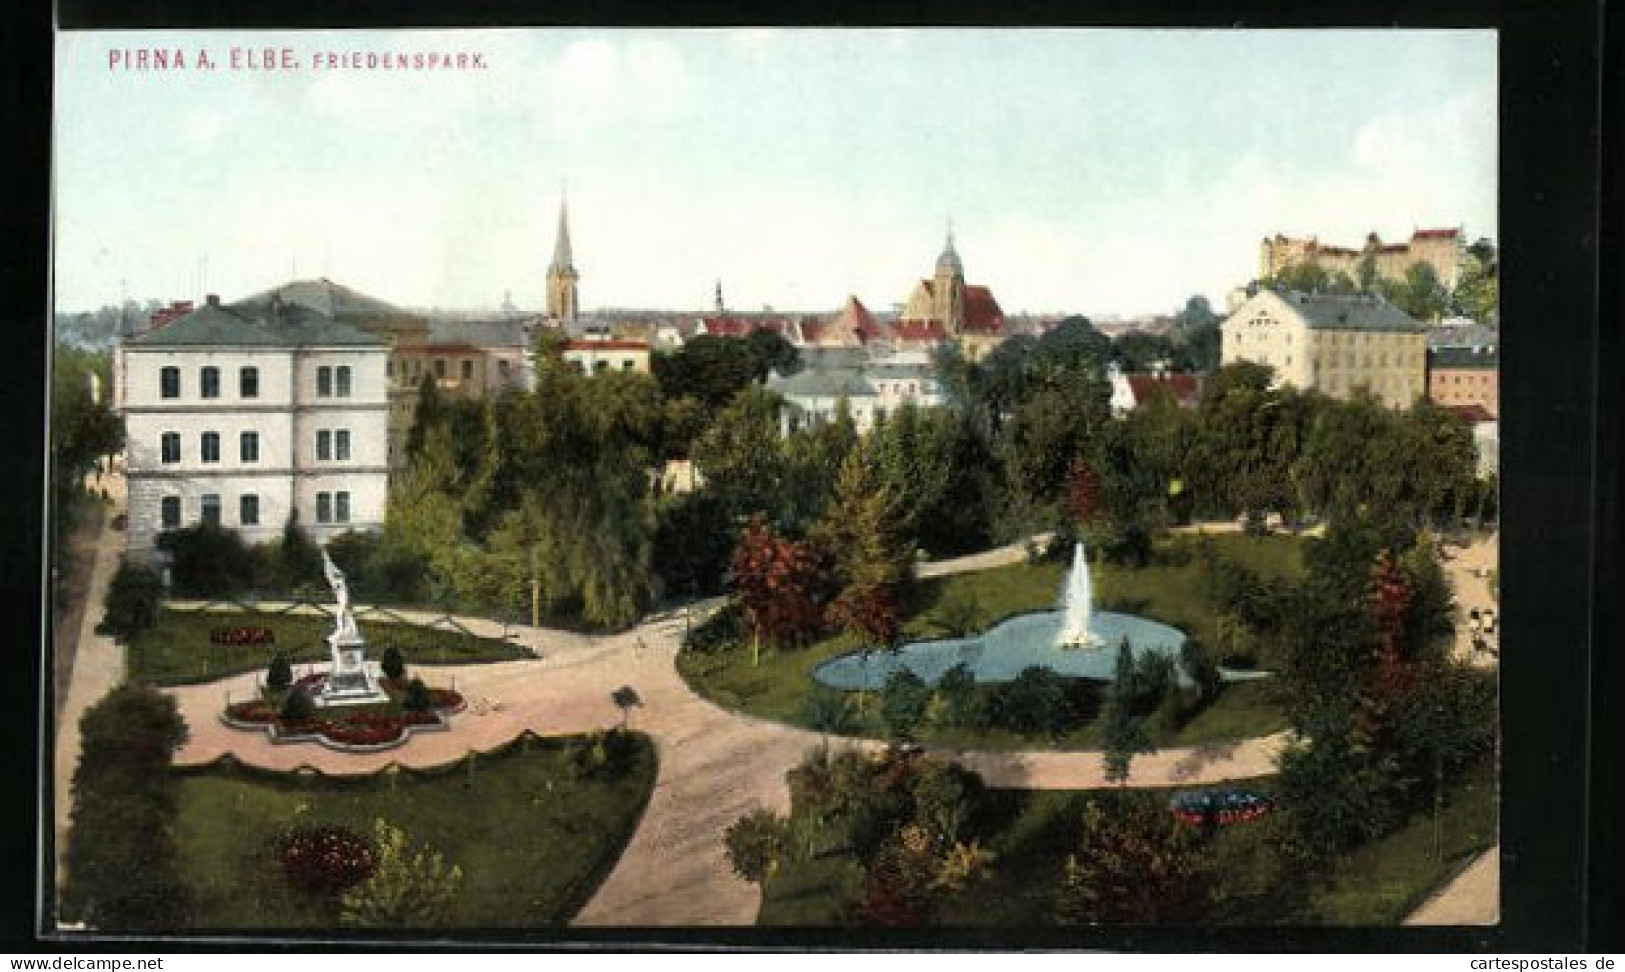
column 943, row 308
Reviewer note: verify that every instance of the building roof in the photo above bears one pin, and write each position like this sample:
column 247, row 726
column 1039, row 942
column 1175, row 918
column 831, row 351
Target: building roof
column 328, row 298
column 1456, row 358
column 982, row 313
column 833, row 356
column 609, row 345
column 500, row 333
column 1353, row 312
column 1465, row 334
column 268, row 326
column 1435, row 234
column 822, row 383
column 1186, row 389
column 899, row 371
column 917, row 330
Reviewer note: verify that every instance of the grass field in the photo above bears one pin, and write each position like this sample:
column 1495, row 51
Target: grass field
column 1170, row 590
column 1378, row 884
column 532, row 841
column 177, row 650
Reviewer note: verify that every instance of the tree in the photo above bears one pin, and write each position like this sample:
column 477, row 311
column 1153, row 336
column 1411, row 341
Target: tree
column 1124, row 733
column 207, row 560
column 625, row 699
column 903, row 699
column 279, row 674
column 393, row 663
column 781, row 585
column 1033, row 702
column 740, row 456
column 872, row 563
column 756, row 844
column 121, row 859
column 84, row 427
column 1141, row 351
column 299, row 560
column 1195, row 336
column 413, row 886
column 1134, row 864
column 133, row 599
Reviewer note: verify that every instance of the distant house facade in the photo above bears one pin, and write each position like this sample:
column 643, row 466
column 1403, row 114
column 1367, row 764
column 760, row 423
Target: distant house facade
column 870, row 388
column 596, row 356
column 1333, row 344
column 243, row 415
column 1464, row 366
column 1133, row 391
column 1441, row 249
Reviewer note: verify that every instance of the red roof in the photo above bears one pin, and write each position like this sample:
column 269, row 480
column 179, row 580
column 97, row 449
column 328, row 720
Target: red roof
column 1186, row 389
column 1435, row 234
column 727, row 325
column 917, row 331
column 982, row 313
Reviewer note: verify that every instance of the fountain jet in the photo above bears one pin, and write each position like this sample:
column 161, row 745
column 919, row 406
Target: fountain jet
column 1076, row 605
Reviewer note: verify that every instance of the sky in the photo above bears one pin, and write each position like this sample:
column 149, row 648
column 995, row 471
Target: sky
column 1105, row 172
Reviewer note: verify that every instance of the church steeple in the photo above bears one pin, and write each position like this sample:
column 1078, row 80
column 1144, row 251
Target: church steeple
column 948, row 288
column 562, row 298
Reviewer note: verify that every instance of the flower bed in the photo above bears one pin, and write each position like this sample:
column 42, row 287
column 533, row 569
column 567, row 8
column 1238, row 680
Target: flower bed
column 250, row 635
column 255, row 711
column 336, row 728
column 326, row 860
column 1220, row 807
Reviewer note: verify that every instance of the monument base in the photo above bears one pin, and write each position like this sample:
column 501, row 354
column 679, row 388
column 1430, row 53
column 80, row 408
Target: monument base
column 351, row 680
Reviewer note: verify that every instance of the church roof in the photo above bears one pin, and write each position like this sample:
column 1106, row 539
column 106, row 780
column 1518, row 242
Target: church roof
column 563, row 259
column 982, row 312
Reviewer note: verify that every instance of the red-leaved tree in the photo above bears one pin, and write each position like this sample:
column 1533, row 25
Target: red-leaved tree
column 780, row 584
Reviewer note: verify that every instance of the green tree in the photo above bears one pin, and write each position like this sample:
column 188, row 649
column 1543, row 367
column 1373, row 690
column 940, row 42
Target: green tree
column 121, row 858
column 207, row 561
column 756, row 845
column 739, row 455
column 133, row 599
column 873, row 565
column 279, row 674
column 903, row 700
column 626, row 699
column 1123, row 733
column 1134, row 864
column 393, row 664
column 413, row 886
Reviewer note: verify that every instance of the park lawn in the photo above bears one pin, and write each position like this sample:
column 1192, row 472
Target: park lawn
column 1034, row 830
column 1167, row 590
column 177, row 650
column 533, row 842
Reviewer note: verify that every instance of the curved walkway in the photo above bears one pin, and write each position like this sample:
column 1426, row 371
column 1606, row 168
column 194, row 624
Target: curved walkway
column 715, row 765
column 1472, row 898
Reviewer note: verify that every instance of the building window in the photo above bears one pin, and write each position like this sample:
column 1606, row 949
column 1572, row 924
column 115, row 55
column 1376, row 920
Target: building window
column 341, row 507
column 324, row 507
column 248, row 447
column 169, row 382
column 209, row 386
column 628, row 364
column 468, row 369
column 389, row 368
column 341, row 444
column 169, row 447
column 599, row 367
column 211, row 447
column 248, row 382
column 440, row 367
column 324, row 382
column 211, row 509
column 169, row 512
column 248, row 510
column 324, row 444
column 343, row 381
column 502, row 368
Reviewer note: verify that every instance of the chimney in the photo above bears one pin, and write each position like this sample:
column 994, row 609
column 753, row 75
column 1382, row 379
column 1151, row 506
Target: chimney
column 213, row 300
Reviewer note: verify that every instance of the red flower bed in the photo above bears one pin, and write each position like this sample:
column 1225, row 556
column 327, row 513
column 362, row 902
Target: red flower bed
column 251, row 712
column 326, row 860
column 242, row 635
column 422, row 719
column 311, row 681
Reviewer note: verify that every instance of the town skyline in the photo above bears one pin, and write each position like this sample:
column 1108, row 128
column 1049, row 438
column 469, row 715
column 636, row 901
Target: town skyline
column 837, row 176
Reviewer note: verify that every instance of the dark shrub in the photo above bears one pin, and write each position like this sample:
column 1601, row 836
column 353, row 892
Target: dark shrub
column 208, row 561
column 961, row 699
column 393, row 665
column 1033, row 702
column 902, row 703
column 298, row 706
column 326, row 860
column 722, row 630
column 132, row 601
column 279, row 675
column 828, row 711
column 417, row 698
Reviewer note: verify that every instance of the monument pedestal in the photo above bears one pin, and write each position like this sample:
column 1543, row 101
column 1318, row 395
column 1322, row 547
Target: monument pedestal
column 350, row 681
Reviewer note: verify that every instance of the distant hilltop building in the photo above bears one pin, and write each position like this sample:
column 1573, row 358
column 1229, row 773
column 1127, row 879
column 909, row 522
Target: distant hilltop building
column 944, row 307
column 1332, row 344
column 1441, row 249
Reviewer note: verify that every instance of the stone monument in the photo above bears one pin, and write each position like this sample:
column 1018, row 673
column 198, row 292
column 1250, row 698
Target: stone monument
column 351, row 680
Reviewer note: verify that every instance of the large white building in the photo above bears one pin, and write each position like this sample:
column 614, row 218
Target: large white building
column 244, row 414
column 1333, row 344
